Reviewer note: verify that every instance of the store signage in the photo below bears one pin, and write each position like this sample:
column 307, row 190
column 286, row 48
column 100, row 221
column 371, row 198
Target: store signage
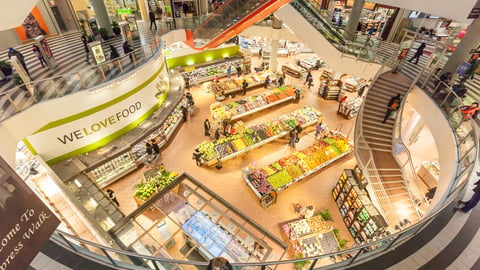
column 90, row 130
column 475, row 12
column 403, row 54
column 26, row 224
column 124, row 11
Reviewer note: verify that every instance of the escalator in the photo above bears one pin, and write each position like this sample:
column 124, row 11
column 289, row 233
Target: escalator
column 229, row 20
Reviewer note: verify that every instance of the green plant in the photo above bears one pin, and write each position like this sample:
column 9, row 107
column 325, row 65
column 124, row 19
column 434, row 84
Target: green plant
column 342, row 243
column 336, row 232
column 326, row 215
column 115, row 24
column 299, row 265
column 103, row 31
column 16, row 79
column 4, row 64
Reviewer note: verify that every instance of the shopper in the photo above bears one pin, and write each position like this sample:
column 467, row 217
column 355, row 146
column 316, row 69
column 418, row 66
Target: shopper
column 20, row 58
column 239, row 71
column 310, row 82
column 39, row 55
column 219, row 263
column 319, row 129
column 281, row 80
column 85, row 44
column 297, row 95
column 189, row 98
column 149, row 147
column 260, row 53
column 309, row 211
column 293, row 137
column 217, row 134
column 152, row 18
column 392, row 106
column 418, row 53
column 229, row 71
column 127, row 49
column 184, row 112
column 309, row 76
column 112, row 197
column 267, row 82
column 341, row 101
column 206, row 126
column 467, row 205
column 244, row 87
column 113, row 53
column 155, row 147
column 362, row 90
column 197, row 155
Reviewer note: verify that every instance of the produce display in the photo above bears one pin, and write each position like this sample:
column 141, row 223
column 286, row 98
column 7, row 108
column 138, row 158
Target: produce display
column 154, row 181
column 257, row 135
column 235, row 84
column 288, row 170
column 207, row 72
column 310, row 237
column 245, row 106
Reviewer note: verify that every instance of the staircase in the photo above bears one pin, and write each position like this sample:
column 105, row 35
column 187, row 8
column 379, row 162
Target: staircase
column 386, row 180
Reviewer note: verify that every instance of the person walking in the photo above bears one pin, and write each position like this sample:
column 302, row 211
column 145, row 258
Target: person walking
column 297, row 95
column 39, row 55
column 310, row 82
column 113, row 53
column 149, row 147
column 267, row 82
column 418, row 53
column 467, row 205
column 229, row 71
column 281, row 80
column 197, row 155
column 184, row 112
column 319, row 130
column 155, row 147
column 206, row 126
column 293, row 137
column 307, row 79
column 21, row 59
column 392, row 106
column 244, row 87
column 127, row 49
column 219, row 263
column 112, row 197
column 87, row 51
column 152, row 18
column 217, row 134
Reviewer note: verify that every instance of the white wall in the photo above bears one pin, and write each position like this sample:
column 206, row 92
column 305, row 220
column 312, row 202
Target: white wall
column 443, row 137
column 23, row 124
column 267, row 32
column 326, row 51
column 455, row 10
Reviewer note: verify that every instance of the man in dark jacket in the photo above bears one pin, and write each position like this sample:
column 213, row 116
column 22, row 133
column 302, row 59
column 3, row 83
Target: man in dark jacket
column 392, row 106
column 21, row 59
column 152, row 18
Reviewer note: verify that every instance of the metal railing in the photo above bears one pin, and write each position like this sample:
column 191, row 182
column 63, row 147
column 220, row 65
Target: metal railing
column 80, row 80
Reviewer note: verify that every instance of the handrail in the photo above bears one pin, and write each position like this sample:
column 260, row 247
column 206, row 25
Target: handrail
column 134, row 59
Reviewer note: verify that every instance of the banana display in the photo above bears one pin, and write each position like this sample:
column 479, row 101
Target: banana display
column 225, row 112
column 284, row 171
column 253, row 135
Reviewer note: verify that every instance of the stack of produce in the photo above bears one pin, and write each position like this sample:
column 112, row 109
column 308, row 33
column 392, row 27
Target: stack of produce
column 154, row 183
column 291, row 168
column 250, row 103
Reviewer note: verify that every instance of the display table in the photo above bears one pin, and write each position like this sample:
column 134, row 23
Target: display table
column 293, row 70
column 286, row 171
column 154, row 180
column 310, row 237
column 210, row 70
column 350, row 109
column 235, row 84
column 256, row 136
column 429, row 172
column 243, row 107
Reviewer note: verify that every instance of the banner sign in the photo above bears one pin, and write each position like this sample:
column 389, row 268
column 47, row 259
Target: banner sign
column 27, row 223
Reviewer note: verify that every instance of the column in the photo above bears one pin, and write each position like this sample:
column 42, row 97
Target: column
column 101, row 15
column 276, row 25
column 355, row 14
column 471, row 40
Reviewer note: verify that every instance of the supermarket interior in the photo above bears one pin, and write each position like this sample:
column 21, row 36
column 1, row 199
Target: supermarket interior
column 260, row 150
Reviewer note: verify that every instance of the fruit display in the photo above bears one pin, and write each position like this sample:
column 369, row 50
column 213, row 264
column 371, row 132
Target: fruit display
column 155, row 181
column 243, row 106
column 257, row 135
column 206, row 72
column 288, row 170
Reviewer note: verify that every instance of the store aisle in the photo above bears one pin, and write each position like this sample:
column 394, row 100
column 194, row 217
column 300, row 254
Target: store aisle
column 315, row 190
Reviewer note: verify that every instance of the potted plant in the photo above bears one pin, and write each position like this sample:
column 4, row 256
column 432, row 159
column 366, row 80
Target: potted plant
column 6, row 68
column 116, row 28
column 17, row 80
column 103, row 33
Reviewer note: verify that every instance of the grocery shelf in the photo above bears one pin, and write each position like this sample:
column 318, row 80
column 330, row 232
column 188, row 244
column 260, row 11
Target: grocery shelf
column 238, row 116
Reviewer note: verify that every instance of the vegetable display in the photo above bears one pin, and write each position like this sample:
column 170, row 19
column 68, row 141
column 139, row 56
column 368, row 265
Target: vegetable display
column 153, row 183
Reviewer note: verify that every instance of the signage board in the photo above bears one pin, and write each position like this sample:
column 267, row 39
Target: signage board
column 27, row 222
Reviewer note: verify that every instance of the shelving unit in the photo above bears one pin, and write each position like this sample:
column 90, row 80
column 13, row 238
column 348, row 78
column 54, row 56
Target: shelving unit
column 354, row 84
column 332, row 90
column 359, row 215
column 349, row 109
column 310, row 63
column 208, row 71
column 293, row 70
